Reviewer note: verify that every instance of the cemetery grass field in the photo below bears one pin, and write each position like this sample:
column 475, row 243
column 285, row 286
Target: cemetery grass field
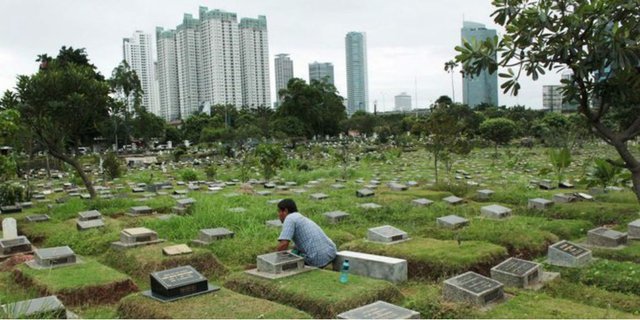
column 609, row 287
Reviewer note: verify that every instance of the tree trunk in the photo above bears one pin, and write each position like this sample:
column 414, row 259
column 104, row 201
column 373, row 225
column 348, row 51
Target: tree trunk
column 76, row 165
column 631, row 163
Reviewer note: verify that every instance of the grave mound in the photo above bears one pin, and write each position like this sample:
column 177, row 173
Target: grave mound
column 318, row 292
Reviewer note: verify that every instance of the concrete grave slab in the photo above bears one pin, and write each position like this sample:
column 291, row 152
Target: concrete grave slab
column 336, row 216
column 422, row 202
column 363, row 193
column 387, row 235
column 495, row 211
column 278, row 265
column 452, row 221
column 380, row 310
column 567, row 254
column 473, row 288
column 539, row 204
column 373, row 266
column 176, row 250
column 208, row 236
column 37, row 218
column 518, row 273
column 604, row 237
column 178, row 283
column 89, row 224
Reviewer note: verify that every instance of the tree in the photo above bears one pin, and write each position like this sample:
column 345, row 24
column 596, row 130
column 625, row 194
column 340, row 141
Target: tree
column 604, row 174
column 63, row 105
column 597, row 41
column 499, row 131
column 560, row 160
column 127, row 91
column 450, row 67
column 271, row 158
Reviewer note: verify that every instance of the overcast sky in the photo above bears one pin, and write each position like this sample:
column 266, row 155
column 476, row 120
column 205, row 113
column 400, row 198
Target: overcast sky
column 408, row 40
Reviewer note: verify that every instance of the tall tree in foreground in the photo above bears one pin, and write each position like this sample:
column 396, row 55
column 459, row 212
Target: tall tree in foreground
column 596, row 40
column 63, row 105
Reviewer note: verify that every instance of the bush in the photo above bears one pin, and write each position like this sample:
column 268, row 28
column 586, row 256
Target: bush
column 180, row 151
column 112, row 166
column 189, row 175
column 211, row 172
column 11, row 193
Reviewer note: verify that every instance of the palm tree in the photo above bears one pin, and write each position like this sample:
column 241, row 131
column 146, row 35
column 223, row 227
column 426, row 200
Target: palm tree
column 449, row 67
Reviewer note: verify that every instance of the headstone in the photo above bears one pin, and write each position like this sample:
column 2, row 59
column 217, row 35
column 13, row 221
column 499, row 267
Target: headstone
column 495, row 211
column 472, row 288
column 9, row 247
column 567, row 254
column 397, row 186
column 336, row 216
column 180, row 192
column 337, row 186
column 422, row 202
column 485, row 194
column 185, row 203
column 453, row 200
column 53, row 257
column 176, row 250
column 279, row 262
column 237, row 210
column 37, row 218
column 319, row 196
column 264, row 193
column 386, row 234
column 540, row 204
column 276, row 223
column 177, row 283
column 565, row 185
column 207, row 236
column 634, row 230
column 363, row 193
column 380, row 310
column 269, row 185
column 546, row 185
column 9, row 228
column 89, row 224
column 10, row 209
column 412, row 183
column 89, row 215
column 48, row 307
column 373, row 266
column 519, row 273
column 139, row 210
column 26, row 205
column 563, row 198
column 134, row 237
column 369, row 206
column 452, row 221
column 584, row 196
column 604, row 237
column 137, row 190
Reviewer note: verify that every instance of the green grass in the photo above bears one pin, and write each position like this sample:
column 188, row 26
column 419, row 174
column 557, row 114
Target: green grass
column 431, row 258
column 89, row 273
column 317, row 292
column 427, row 299
column 606, row 274
column 629, row 253
column 594, row 296
column 221, row 304
column 527, row 304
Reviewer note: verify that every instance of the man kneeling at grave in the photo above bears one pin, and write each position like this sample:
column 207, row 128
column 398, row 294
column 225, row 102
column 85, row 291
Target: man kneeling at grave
column 310, row 241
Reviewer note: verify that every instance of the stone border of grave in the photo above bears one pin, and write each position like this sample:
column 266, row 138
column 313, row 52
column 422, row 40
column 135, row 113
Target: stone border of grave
column 273, row 276
column 34, row 265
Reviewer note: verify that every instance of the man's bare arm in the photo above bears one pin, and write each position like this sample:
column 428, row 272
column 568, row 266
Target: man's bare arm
column 282, row 245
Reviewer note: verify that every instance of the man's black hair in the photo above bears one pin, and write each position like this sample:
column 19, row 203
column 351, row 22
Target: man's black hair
column 288, row 204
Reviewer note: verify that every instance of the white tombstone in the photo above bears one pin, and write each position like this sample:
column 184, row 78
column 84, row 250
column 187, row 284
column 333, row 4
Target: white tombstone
column 169, row 144
column 9, row 229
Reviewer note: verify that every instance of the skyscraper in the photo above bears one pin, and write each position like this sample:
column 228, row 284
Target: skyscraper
column 187, row 52
column 137, row 53
column 321, row 71
column 482, row 88
column 220, row 52
column 403, row 102
column 357, row 79
column 167, row 71
column 284, row 73
column 552, row 98
column 254, row 52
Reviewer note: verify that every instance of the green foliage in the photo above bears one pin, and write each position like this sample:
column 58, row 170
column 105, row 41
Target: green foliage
column 560, row 160
column 593, row 296
column 179, row 152
column 12, row 193
column 188, row 175
column 498, row 130
column 211, row 171
column 112, row 165
column 604, row 174
column 271, row 158
column 609, row 275
column 7, row 168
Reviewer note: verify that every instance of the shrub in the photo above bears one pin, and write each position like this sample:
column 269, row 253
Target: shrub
column 189, row 175
column 112, row 166
column 211, row 172
column 11, row 193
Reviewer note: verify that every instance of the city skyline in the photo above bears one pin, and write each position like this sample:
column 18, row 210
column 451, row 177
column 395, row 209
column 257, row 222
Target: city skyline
column 403, row 55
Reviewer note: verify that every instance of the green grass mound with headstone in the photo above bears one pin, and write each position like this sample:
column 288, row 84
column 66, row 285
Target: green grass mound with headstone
column 599, row 213
column 533, row 305
column 87, row 282
column 432, row 258
column 629, row 253
column 521, row 236
column 427, row 299
column 317, row 292
column 594, row 296
column 139, row 262
column 221, row 304
column 605, row 274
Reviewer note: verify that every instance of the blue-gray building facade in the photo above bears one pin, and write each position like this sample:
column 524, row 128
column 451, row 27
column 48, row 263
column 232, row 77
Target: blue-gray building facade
column 482, row 88
column 357, row 77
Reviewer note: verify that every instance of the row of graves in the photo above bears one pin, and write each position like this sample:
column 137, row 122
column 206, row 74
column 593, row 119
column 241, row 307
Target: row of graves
column 378, row 263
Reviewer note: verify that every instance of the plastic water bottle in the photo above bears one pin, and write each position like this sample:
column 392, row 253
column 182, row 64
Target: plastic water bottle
column 344, row 273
